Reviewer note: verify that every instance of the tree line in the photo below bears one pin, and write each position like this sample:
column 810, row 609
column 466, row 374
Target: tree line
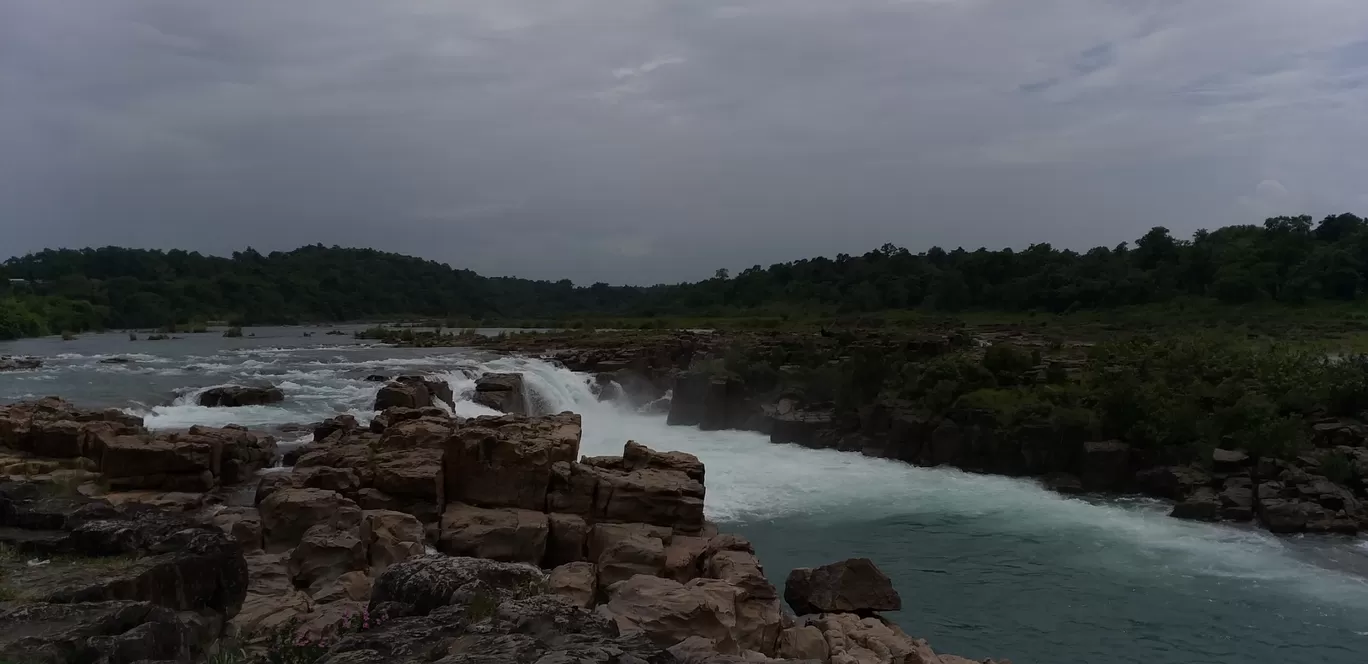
column 1289, row 260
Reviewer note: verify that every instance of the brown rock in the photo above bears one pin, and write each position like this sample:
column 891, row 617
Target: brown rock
column 804, row 642
column 621, row 551
column 683, row 558
column 390, row 537
column 572, row 488
column 350, row 587
column 403, row 395
column 243, row 524
column 272, row 599
column 1202, row 505
column 375, row 499
column 668, row 612
column 341, row 480
column 850, row 638
column 850, row 586
column 636, row 456
column 574, row 581
column 506, row 461
column 144, row 455
column 324, row 554
column 567, row 539
column 742, row 569
column 272, row 482
column 503, row 534
column 410, row 474
column 241, row 452
column 333, row 425
column 503, row 392
column 660, row 497
column 420, row 433
column 288, row 513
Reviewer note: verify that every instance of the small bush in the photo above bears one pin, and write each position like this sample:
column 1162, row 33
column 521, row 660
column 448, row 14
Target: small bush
column 233, row 332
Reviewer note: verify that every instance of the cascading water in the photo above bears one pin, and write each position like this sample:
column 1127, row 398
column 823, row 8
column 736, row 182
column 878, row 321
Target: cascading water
column 988, row 566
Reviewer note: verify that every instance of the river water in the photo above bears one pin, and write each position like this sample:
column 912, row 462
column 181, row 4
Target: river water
column 987, row 566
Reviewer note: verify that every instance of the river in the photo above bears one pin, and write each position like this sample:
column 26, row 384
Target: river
column 987, row 566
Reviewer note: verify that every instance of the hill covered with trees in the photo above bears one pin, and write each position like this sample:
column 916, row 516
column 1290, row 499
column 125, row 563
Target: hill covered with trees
column 1291, row 260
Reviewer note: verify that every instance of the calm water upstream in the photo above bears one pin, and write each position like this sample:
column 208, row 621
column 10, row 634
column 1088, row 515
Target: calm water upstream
column 987, row 566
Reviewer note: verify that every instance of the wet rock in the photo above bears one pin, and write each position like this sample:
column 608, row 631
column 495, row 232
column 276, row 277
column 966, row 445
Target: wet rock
column 241, row 452
column 504, row 534
column 272, row 482
column 397, row 394
column 10, row 363
column 506, row 461
column 1202, row 505
column 1171, row 482
column 1063, row 483
column 503, row 392
column 234, row 396
column 333, row 425
column 850, row 586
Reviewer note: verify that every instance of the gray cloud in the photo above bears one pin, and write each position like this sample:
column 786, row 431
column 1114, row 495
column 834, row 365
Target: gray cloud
column 643, row 140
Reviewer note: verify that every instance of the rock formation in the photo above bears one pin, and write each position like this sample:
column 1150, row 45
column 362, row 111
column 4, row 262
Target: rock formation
column 234, row 396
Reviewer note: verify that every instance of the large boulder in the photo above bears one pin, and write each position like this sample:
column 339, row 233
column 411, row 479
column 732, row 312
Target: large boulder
column 290, row 512
column 1201, row 505
column 850, row 586
column 660, row 497
column 504, row 534
column 506, row 461
column 566, row 539
column 116, row 632
column 408, row 394
column 168, row 462
column 503, row 392
column 234, row 396
column 422, row 432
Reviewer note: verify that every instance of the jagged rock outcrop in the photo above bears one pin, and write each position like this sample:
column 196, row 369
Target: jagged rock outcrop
column 506, row 461
column 235, row 396
column 413, row 392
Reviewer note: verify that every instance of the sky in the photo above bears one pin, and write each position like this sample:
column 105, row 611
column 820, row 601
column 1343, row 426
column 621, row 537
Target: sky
column 647, row 141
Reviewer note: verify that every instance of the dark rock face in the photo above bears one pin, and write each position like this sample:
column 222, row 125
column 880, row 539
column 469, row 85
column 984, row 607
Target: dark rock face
column 334, row 424
column 235, row 396
column 403, row 395
column 131, row 586
column 428, row 583
column 1106, row 465
column 851, row 586
column 438, row 390
column 479, row 611
column 503, row 392
column 117, row 632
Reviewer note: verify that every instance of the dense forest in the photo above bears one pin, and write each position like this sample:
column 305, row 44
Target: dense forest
column 1290, row 260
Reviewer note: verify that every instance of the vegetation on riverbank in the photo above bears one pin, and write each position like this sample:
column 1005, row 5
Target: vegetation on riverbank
column 1287, row 262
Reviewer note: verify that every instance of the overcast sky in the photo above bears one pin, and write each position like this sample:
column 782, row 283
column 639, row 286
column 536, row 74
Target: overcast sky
column 640, row 141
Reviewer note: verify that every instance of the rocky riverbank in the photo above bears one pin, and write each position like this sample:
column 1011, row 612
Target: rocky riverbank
column 418, row 537
column 1228, row 430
